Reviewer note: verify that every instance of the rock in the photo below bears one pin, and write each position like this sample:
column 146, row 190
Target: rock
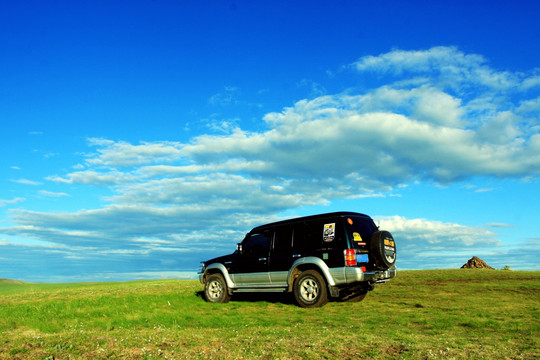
column 476, row 263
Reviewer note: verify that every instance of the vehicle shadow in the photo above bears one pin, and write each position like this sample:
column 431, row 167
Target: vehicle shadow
column 281, row 298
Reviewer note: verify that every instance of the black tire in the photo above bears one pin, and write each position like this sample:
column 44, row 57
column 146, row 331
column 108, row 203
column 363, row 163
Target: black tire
column 383, row 250
column 215, row 289
column 310, row 289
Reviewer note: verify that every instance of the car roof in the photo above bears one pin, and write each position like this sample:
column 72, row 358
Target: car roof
column 312, row 217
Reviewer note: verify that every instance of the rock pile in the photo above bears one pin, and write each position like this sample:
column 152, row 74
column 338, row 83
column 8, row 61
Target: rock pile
column 476, row 263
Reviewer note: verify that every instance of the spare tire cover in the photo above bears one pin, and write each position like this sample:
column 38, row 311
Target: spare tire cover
column 383, row 250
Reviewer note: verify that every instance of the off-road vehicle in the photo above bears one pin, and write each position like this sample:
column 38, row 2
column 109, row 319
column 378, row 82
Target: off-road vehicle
column 339, row 255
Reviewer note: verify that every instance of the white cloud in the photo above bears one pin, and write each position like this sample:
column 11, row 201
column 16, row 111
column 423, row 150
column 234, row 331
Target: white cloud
column 91, row 177
column 314, row 88
column 223, row 126
column 123, row 154
column 446, row 66
column 532, row 107
column 481, row 190
column 500, row 225
column 328, row 135
column 531, row 82
column 50, row 234
column 229, row 96
column 4, row 202
column 53, row 194
column 427, row 233
column 26, row 182
column 424, row 244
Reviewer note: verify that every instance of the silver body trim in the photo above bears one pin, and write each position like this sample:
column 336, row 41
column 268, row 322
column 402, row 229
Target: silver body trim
column 221, row 268
column 282, row 280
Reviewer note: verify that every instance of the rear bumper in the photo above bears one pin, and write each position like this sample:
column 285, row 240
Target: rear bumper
column 353, row 274
column 381, row 276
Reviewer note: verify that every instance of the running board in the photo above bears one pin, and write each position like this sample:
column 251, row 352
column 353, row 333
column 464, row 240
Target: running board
column 258, row 289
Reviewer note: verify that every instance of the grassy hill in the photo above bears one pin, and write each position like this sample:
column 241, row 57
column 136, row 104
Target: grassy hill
column 9, row 281
column 439, row 314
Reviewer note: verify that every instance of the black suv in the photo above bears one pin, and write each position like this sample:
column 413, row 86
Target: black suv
column 340, row 255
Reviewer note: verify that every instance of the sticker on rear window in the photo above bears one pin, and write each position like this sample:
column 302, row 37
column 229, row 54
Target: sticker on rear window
column 329, row 232
column 356, row 237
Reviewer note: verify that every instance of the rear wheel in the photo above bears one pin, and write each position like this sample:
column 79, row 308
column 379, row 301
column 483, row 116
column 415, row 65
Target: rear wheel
column 310, row 289
column 215, row 289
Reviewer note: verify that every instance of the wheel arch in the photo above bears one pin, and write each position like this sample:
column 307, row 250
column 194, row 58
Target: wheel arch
column 218, row 268
column 309, row 263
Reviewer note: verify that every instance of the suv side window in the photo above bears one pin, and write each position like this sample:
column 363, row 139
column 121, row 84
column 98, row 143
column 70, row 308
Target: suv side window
column 299, row 237
column 283, row 238
column 313, row 233
column 258, row 243
column 323, row 233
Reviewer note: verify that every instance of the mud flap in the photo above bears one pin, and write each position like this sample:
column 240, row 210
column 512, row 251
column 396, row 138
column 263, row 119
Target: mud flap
column 334, row 291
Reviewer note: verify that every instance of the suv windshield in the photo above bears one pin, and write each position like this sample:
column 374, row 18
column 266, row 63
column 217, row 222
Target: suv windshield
column 359, row 231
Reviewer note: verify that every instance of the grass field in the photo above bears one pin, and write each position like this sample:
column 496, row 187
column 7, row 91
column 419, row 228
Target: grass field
column 435, row 314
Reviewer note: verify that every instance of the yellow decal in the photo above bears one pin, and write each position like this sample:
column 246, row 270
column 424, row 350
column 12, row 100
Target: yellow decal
column 389, row 242
column 356, row 236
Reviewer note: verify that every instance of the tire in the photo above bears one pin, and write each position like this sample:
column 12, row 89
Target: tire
column 383, row 250
column 215, row 289
column 310, row 289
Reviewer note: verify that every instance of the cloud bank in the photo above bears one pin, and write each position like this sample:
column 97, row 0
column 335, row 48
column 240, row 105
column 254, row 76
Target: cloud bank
column 440, row 116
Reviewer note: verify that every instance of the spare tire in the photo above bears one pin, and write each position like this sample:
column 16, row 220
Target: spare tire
column 383, row 250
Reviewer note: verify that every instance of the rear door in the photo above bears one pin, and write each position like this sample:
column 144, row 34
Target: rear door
column 281, row 254
column 359, row 230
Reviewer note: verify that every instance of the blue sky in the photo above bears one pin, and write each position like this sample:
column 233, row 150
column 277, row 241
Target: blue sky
column 140, row 138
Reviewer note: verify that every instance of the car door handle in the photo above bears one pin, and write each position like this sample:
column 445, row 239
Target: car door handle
column 296, row 256
column 262, row 259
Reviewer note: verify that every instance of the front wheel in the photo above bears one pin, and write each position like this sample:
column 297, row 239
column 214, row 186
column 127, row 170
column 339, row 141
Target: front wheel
column 215, row 289
column 310, row 289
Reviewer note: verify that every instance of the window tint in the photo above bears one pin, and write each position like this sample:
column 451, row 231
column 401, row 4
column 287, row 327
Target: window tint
column 258, row 243
column 359, row 231
column 313, row 234
column 323, row 233
column 283, row 238
column 298, row 236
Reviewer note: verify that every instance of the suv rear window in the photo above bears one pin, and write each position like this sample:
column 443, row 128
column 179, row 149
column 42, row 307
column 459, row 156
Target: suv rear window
column 359, row 231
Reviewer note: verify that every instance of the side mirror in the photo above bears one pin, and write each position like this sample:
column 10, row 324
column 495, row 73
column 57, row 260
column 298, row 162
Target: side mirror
column 239, row 248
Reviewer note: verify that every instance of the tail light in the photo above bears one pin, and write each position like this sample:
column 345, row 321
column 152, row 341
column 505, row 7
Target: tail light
column 350, row 257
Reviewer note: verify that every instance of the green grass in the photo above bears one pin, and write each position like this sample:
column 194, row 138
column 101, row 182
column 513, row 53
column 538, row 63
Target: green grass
column 438, row 314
